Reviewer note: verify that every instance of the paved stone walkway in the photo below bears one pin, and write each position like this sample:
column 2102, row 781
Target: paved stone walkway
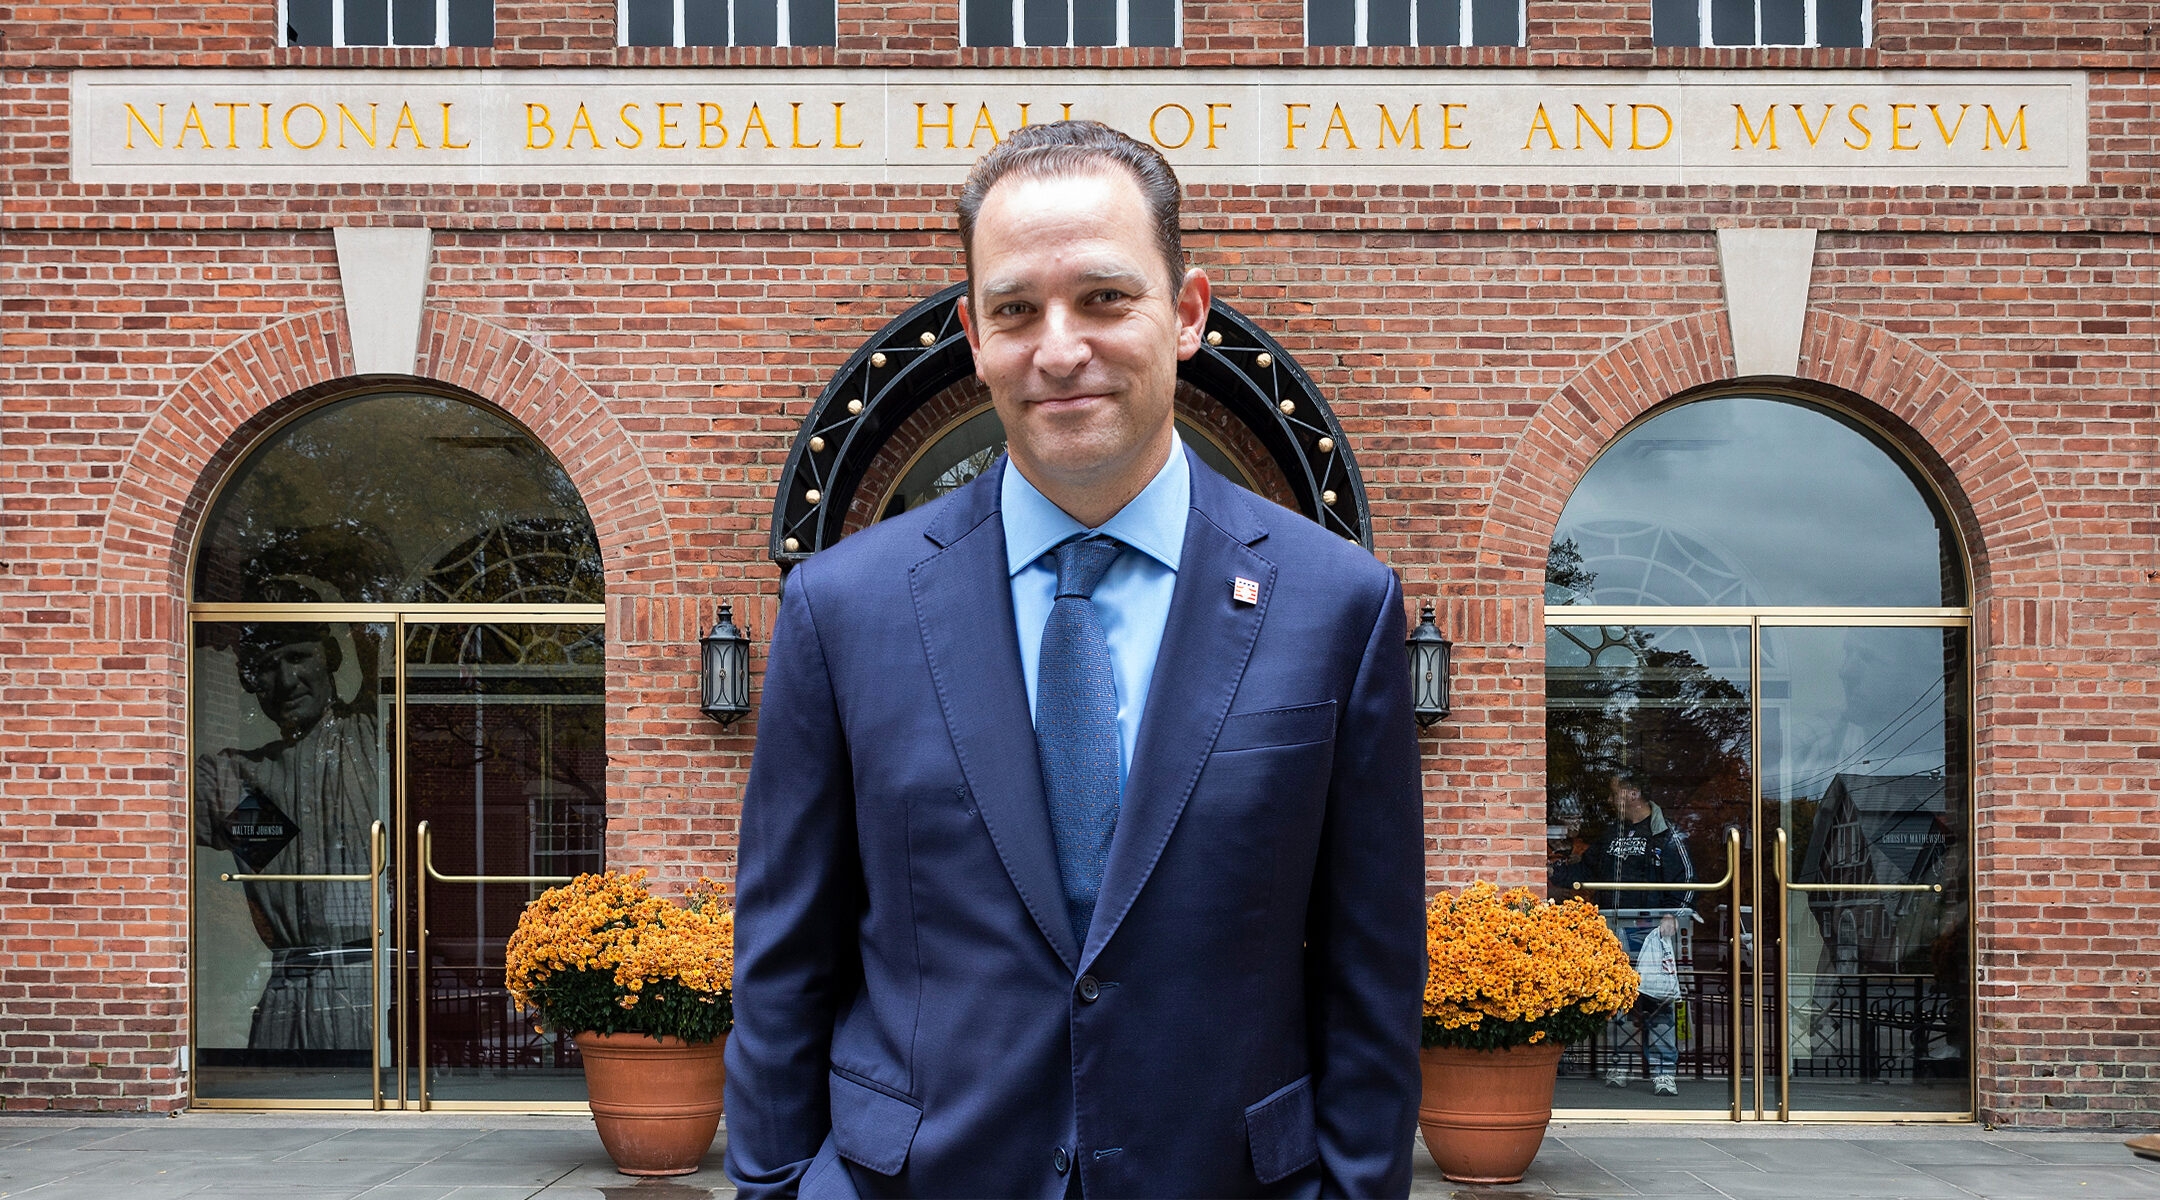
column 447, row 1156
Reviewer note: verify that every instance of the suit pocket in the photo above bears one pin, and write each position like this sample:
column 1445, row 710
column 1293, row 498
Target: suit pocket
column 1277, row 727
column 871, row 1129
column 1283, row 1135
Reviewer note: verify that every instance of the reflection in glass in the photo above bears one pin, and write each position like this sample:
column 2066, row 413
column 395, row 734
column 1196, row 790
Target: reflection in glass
column 293, row 765
column 398, row 497
column 506, row 761
column 1864, row 763
column 967, row 449
column 1746, row 501
column 1647, row 744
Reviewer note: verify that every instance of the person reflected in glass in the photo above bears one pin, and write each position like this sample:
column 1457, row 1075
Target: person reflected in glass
column 1644, row 847
column 302, row 804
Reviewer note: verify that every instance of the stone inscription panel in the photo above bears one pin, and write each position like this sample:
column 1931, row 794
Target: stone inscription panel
column 1886, row 128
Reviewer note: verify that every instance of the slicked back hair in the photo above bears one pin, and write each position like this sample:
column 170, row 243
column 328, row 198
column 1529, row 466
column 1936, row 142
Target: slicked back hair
column 1065, row 148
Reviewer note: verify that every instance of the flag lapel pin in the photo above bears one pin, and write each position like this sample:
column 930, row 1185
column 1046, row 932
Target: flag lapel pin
column 1245, row 591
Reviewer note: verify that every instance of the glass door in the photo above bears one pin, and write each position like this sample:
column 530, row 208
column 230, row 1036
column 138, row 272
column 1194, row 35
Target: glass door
column 505, row 774
column 294, row 875
column 1851, row 840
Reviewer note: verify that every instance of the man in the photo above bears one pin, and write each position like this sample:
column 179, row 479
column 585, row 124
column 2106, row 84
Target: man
column 1645, row 848
column 1072, row 867
column 302, row 804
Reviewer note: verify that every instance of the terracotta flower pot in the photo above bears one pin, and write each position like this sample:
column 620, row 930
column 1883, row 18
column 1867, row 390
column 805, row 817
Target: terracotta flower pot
column 656, row 1101
column 1484, row 1112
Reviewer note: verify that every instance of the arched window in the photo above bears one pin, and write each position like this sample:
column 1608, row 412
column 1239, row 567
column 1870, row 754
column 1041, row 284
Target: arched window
column 397, row 707
column 1756, row 660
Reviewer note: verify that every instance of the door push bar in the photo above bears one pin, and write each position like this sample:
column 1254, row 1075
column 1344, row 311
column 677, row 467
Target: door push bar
column 428, row 871
column 378, row 860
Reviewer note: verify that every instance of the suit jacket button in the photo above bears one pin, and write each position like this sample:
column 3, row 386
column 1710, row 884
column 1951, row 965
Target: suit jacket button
column 1090, row 991
column 1058, row 1161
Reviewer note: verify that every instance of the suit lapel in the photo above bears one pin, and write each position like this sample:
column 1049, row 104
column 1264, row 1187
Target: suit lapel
column 1205, row 646
column 963, row 606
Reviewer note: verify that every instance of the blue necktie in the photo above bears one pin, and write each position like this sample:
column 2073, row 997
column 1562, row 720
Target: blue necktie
column 1076, row 729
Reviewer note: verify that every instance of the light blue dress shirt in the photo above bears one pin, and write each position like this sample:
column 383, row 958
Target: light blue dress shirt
column 1133, row 598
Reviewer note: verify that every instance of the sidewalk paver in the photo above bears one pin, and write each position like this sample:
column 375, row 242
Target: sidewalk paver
column 472, row 1156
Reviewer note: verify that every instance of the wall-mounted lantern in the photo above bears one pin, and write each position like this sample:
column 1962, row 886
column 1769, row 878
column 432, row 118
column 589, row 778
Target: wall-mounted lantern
column 724, row 680
column 1429, row 654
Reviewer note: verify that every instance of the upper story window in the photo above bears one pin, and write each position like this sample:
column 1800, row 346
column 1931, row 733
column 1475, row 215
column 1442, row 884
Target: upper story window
column 1414, row 22
column 1760, row 22
column 725, row 22
column 1070, row 22
column 386, row 22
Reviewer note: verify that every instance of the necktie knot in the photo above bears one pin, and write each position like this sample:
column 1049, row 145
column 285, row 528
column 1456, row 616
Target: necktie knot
column 1082, row 563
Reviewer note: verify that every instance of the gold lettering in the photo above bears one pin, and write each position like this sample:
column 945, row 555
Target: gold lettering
column 1192, row 126
column 795, row 142
column 447, row 144
column 1605, row 135
column 757, row 119
column 1409, row 129
column 266, row 124
column 322, row 127
column 839, row 135
column 192, row 121
column 345, row 117
column 1743, row 126
column 1635, row 112
column 1899, row 125
column 1449, row 127
column 1214, row 126
column 983, row 122
column 667, row 126
column 1291, row 124
column 924, row 124
column 1949, row 135
column 232, row 123
column 1812, row 132
column 1867, row 136
column 537, row 117
column 581, row 120
column 1068, row 112
column 711, row 117
column 628, row 115
column 1544, row 122
column 1337, row 121
column 1023, row 116
column 156, row 136
column 404, row 122
column 1995, row 130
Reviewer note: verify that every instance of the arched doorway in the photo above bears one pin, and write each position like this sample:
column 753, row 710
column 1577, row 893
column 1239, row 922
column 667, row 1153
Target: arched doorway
column 908, row 397
column 396, row 722
column 1758, row 726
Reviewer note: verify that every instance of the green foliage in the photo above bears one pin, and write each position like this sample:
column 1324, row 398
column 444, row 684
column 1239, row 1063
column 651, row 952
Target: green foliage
column 580, row 1000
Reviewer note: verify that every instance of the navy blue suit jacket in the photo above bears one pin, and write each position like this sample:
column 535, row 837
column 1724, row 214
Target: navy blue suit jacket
column 912, row 1014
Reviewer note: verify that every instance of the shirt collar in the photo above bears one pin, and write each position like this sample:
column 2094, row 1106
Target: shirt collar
column 1152, row 522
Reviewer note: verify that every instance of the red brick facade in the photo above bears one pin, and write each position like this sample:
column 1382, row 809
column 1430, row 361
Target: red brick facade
column 1479, row 344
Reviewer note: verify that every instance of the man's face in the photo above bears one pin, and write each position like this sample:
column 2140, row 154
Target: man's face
column 1077, row 331
column 1629, row 803
column 294, row 685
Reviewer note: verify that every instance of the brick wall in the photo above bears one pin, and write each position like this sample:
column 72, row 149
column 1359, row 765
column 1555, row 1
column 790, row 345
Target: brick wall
column 1480, row 345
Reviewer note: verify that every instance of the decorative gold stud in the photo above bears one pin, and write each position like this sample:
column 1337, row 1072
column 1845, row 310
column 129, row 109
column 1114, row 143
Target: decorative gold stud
column 1287, row 407
column 854, row 408
column 878, row 359
column 1263, row 360
column 791, row 545
column 817, row 445
column 1325, row 497
column 928, row 338
column 1214, row 337
column 813, row 497
column 1327, row 445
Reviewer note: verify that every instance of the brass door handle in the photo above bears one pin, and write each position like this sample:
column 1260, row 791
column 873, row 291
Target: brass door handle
column 1732, row 866
column 1784, row 867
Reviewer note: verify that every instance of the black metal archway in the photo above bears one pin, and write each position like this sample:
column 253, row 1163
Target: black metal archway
column 924, row 351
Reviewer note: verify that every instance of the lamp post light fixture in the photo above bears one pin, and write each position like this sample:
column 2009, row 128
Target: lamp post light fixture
column 724, row 677
column 1430, row 652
